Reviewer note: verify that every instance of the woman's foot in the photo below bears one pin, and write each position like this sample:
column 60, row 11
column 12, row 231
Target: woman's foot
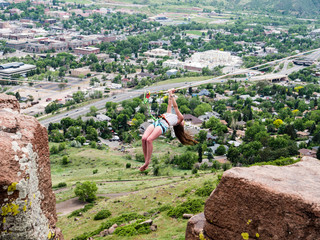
column 144, row 167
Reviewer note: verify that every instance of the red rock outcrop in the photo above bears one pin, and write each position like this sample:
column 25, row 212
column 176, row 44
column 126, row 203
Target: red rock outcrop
column 27, row 202
column 263, row 202
column 9, row 102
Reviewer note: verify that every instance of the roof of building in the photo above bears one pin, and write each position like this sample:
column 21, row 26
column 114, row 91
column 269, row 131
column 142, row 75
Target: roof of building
column 194, row 120
column 11, row 65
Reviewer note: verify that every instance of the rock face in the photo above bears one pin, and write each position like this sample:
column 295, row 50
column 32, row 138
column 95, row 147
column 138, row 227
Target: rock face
column 27, row 202
column 266, row 202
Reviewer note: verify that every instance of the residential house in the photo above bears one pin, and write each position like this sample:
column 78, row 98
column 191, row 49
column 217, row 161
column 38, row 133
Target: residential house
column 102, row 117
column 208, row 115
column 204, row 92
column 145, row 75
column 190, row 119
column 307, row 152
column 304, row 134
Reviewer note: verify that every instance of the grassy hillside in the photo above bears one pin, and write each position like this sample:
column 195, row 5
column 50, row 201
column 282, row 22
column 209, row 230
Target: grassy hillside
column 143, row 202
column 146, row 196
column 307, row 8
column 296, row 7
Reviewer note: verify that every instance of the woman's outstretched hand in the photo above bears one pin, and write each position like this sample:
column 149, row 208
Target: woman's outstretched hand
column 171, row 91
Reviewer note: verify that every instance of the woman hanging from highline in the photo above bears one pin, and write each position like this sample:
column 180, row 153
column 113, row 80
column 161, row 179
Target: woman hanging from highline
column 161, row 125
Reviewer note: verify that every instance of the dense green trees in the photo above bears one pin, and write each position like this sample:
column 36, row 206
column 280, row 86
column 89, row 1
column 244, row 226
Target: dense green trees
column 86, row 191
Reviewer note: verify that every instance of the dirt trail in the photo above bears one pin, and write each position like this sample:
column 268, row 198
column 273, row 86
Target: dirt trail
column 73, row 204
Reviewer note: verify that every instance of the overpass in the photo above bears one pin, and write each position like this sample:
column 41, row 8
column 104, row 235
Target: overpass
column 270, row 77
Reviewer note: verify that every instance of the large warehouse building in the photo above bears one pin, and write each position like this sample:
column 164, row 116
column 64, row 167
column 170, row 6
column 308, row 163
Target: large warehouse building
column 9, row 69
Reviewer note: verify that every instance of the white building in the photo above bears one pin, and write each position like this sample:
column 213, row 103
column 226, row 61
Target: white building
column 210, row 59
column 158, row 52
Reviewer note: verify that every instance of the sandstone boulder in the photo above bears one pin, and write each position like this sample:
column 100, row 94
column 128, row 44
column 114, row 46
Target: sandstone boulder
column 195, row 227
column 9, row 102
column 265, row 202
column 27, row 202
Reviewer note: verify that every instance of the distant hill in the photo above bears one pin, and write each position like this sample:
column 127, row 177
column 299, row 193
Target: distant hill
column 302, row 8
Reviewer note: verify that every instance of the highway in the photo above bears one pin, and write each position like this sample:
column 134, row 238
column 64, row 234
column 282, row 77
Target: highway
column 135, row 93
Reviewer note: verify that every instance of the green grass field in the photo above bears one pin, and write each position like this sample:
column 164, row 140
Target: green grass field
column 146, row 192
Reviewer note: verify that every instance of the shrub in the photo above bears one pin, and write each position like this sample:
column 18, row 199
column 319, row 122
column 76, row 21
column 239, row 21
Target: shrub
column 126, row 217
column 278, row 162
column 62, row 146
column 133, row 229
column 128, row 165
column 65, row 160
column 139, row 157
column 128, row 230
column 54, row 150
column 62, row 184
column 186, row 160
column 102, row 214
column 190, row 206
column 194, row 171
column 93, row 144
column 86, row 191
column 216, row 165
column 206, row 189
column 75, row 144
column 95, row 171
column 226, row 166
column 221, row 150
column 77, row 212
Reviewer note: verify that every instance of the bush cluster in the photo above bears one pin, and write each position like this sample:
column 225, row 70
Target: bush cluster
column 190, row 206
column 124, row 218
column 133, row 229
column 103, row 214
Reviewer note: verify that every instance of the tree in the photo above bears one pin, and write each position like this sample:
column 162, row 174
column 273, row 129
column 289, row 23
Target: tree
column 62, row 86
column 202, row 136
column 186, row 160
column 233, row 154
column 221, row 150
column 318, row 153
column 202, row 108
column 199, row 152
column 18, row 97
column 93, row 110
column 86, row 191
column 277, row 123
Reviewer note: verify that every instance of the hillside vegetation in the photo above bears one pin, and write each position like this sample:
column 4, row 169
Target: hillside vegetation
column 295, row 7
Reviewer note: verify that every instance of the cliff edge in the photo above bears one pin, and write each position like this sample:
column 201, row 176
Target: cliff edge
column 27, row 202
column 263, row 202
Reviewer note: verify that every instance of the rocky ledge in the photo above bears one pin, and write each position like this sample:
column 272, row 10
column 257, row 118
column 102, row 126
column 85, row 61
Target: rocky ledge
column 27, row 202
column 263, row 202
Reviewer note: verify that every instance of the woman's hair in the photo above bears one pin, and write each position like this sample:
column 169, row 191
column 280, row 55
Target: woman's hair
column 183, row 137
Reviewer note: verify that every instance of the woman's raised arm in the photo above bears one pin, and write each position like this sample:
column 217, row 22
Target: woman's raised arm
column 176, row 109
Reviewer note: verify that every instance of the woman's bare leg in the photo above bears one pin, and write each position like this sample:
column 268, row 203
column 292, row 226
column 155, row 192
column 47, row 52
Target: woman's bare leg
column 154, row 135
column 145, row 136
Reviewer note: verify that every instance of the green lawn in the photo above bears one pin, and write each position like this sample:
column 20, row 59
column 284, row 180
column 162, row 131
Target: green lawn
column 195, row 32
